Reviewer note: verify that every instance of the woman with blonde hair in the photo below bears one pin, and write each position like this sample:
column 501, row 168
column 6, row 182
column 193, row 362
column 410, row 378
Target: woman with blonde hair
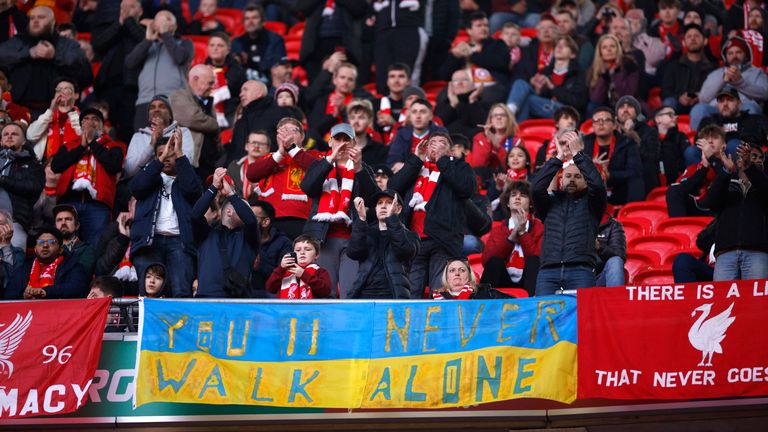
column 612, row 75
column 459, row 281
column 490, row 147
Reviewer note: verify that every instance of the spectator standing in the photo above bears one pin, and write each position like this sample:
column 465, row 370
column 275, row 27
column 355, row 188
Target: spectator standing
column 632, row 123
column 360, row 116
column 612, row 75
column 256, row 147
column 59, row 123
column 684, row 77
column 400, row 38
column 571, row 217
column 384, row 249
column 229, row 76
column 390, row 107
column 12, row 20
column 673, row 144
column 21, row 181
column 163, row 59
column 165, row 191
column 232, row 247
column 414, row 135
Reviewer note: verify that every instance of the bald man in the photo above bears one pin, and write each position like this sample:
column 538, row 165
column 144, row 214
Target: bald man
column 37, row 59
column 259, row 112
column 193, row 108
column 163, row 59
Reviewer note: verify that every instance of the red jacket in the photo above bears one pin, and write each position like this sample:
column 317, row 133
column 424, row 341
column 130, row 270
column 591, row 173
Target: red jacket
column 319, row 282
column 108, row 156
column 498, row 244
column 485, row 156
column 280, row 182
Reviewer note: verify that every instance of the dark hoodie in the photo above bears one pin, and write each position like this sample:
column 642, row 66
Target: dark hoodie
column 160, row 293
column 753, row 85
column 22, row 179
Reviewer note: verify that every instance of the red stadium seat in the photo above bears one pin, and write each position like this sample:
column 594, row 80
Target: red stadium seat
column 297, row 29
column 529, row 32
column 638, row 261
column 684, row 123
column 586, row 127
column 635, row 227
column 657, row 194
column 476, row 263
column 371, row 87
column 84, row 37
column 293, row 48
column 532, row 143
column 658, row 276
column 226, row 136
column 689, row 226
column 434, row 86
column 653, row 211
column 200, row 44
column 276, row 26
column 664, row 244
column 670, row 259
column 514, row 292
column 654, row 98
column 541, row 127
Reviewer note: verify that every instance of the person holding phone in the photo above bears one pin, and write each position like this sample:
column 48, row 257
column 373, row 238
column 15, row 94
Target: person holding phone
column 298, row 277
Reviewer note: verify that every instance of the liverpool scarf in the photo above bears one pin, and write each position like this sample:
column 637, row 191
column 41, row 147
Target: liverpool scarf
column 425, row 186
column 516, row 260
column 43, row 275
column 334, row 200
column 294, row 288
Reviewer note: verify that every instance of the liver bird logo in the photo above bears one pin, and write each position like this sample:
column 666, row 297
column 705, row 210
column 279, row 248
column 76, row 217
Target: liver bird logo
column 706, row 334
column 10, row 338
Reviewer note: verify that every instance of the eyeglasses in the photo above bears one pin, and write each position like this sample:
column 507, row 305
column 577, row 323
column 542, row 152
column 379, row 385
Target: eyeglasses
column 259, row 143
column 290, row 130
column 602, row 120
column 64, row 90
column 667, row 113
column 49, row 242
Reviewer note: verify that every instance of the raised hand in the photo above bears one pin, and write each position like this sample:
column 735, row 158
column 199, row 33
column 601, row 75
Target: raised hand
column 360, row 208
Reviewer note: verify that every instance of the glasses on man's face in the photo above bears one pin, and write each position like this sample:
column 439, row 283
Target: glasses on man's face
column 602, row 120
column 49, row 242
column 259, row 143
column 65, row 90
column 290, row 130
column 667, row 113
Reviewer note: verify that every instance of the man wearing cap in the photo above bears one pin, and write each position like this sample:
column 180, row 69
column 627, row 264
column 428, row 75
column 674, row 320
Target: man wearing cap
column 384, row 249
column 21, row 180
column 751, row 83
column 66, row 220
column 50, row 274
column 89, row 166
column 435, row 187
column 141, row 149
column 733, row 119
column 632, row 123
column 280, row 173
column 413, row 136
column 193, row 107
column 238, row 235
column 381, row 174
column 258, row 49
column 333, row 182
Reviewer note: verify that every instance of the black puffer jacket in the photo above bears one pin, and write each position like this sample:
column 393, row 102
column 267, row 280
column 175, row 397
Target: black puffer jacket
column 24, row 182
column 402, row 248
column 612, row 241
column 742, row 219
column 570, row 220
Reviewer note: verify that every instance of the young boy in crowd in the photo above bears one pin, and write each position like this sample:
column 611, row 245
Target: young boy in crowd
column 298, row 276
column 154, row 281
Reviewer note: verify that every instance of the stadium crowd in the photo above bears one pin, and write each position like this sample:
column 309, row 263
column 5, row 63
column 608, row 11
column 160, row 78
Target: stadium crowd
column 373, row 149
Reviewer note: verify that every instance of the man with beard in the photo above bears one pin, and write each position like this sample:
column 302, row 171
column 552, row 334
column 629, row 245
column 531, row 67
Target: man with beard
column 684, row 77
column 571, row 216
column 631, row 122
column 35, row 60
column 50, row 274
column 68, row 222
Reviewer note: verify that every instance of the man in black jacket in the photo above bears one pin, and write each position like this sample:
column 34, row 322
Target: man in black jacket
column 435, row 186
column 571, row 217
column 400, row 38
column 684, row 77
column 385, row 250
column 21, row 180
column 631, row 122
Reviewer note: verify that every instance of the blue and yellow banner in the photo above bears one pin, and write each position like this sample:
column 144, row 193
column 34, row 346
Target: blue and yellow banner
column 357, row 355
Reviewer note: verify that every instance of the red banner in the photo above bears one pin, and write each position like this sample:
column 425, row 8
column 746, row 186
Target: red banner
column 48, row 354
column 673, row 342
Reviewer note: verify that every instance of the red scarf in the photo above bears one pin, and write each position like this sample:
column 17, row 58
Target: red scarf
column 43, row 275
column 248, row 187
column 203, row 19
column 517, row 174
column 84, row 174
column 11, row 27
column 330, row 107
column 417, row 141
column 665, row 33
column 294, row 288
column 330, row 7
column 545, row 58
column 334, row 200
column 464, row 294
column 60, row 131
column 756, row 42
column 516, row 260
column 220, row 95
column 611, row 146
column 125, row 270
column 422, row 193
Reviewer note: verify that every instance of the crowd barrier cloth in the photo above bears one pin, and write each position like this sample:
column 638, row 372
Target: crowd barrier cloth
column 48, row 354
column 673, row 342
column 357, row 355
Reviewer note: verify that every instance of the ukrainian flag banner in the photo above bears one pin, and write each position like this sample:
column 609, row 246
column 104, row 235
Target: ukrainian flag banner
column 417, row 354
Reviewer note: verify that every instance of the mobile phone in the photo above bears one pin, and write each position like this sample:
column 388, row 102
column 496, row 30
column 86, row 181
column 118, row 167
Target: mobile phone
column 294, row 256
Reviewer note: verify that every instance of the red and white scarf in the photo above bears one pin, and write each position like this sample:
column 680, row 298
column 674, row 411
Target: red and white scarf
column 84, row 174
column 413, row 5
column 516, row 260
column 125, row 270
column 756, row 43
column 43, row 275
column 220, row 94
column 334, row 200
column 294, row 288
column 425, row 185
column 330, row 107
column 330, row 7
column 62, row 128
column 464, row 294
column 517, row 174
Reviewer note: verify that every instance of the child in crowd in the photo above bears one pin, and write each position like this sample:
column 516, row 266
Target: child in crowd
column 298, row 276
column 154, row 281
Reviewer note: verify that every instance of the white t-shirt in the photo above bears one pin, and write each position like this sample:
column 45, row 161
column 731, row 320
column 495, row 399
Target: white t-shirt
column 167, row 221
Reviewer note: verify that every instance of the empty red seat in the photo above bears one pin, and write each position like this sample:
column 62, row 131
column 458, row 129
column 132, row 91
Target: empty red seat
column 434, row 86
column 514, row 292
column 652, row 210
column 684, row 123
column 541, row 127
column 664, row 244
column 656, row 276
column 638, row 261
column 586, row 127
column 293, row 48
column 658, row 194
column 276, row 26
column 654, row 98
column 297, row 29
column 670, row 259
column 476, row 263
column 532, row 143
column 689, row 226
column 635, row 227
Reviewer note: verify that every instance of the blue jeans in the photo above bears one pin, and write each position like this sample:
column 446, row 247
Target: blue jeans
column 472, row 245
column 529, row 104
column 93, row 217
column 741, row 265
column 179, row 265
column 498, row 19
column 612, row 274
column 687, row 268
column 701, row 110
column 566, row 276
